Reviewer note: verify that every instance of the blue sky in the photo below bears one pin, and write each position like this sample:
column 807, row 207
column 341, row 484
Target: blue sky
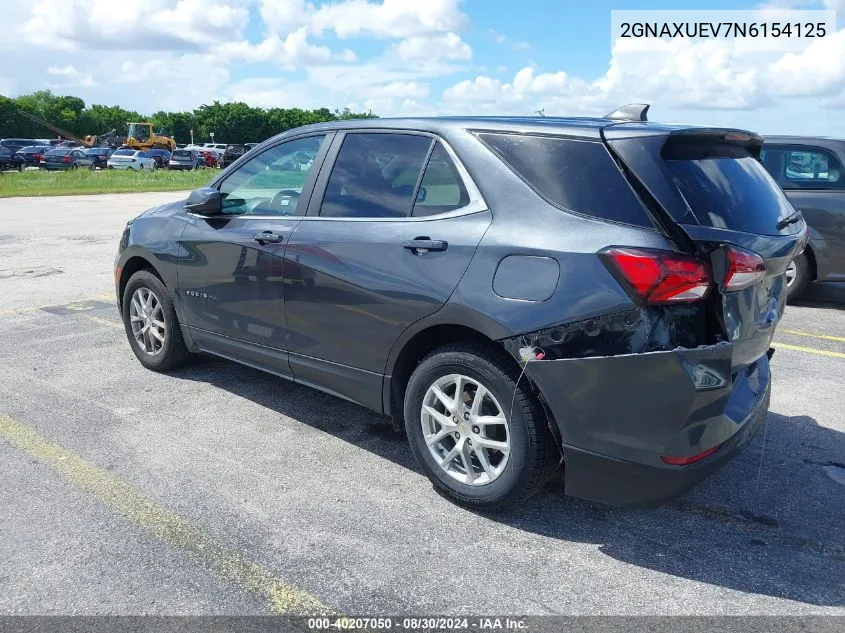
column 402, row 57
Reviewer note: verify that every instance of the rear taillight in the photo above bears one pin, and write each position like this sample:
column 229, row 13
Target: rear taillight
column 744, row 268
column 66, row 159
column 37, row 157
column 655, row 276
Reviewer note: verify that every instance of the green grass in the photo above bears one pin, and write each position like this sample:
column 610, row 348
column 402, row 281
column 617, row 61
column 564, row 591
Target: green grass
column 84, row 181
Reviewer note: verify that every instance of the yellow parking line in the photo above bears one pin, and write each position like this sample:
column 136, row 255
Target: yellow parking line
column 809, row 350
column 826, row 337
column 281, row 597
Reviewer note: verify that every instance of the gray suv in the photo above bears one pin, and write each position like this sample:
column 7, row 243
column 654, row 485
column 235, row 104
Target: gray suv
column 810, row 171
column 521, row 295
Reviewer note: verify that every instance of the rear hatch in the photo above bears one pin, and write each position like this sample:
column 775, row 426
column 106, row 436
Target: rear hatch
column 55, row 157
column 709, row 193
column 181, row 157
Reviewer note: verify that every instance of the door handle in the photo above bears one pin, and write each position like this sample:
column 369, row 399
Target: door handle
column 268, row 237
column 420, row 245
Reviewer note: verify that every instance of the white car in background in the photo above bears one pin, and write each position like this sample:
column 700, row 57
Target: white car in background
column 217, row 148
column 131, row 159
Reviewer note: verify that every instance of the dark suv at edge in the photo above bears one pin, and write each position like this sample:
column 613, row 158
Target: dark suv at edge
column 811, row 173
column 519, row 293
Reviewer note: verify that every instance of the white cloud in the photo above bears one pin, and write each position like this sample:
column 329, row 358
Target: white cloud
column 148, row 25
column 433, row 48
column 286, row 15
column 675, row 75
column 72, row 77
column 819, row 70
column 387, row 19
column 496, row 36
column 400, row 89
column 291, row 53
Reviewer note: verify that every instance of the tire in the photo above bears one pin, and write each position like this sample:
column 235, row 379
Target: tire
column 172, row 352
column 801, row 278
column 141, row 166
column 532, row 456
column 74, row 167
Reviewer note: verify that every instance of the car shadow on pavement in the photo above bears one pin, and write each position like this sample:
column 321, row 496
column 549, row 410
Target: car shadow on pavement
column 770, row 526
column 823, row 295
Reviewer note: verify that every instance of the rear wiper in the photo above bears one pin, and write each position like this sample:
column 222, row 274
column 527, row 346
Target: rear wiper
column 792, row 219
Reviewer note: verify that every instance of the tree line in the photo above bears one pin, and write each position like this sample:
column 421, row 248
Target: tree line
column 230, row 122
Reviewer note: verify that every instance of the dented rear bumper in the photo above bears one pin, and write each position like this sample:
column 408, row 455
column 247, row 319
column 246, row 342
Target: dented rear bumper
column 618, row 416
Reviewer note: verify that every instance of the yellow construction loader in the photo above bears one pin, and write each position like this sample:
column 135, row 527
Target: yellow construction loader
column 143, row 136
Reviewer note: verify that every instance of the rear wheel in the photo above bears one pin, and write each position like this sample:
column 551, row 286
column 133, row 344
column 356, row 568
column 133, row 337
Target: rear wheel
column 74, row 166
column 797, row 277
column 482, row 439
column 151, row 325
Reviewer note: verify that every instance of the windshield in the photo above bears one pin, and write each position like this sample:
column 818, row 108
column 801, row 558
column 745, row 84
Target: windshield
column 732, row 193
column 139, row 132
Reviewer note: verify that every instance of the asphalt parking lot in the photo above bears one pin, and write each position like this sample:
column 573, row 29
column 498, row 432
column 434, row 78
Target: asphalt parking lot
column 220, row 490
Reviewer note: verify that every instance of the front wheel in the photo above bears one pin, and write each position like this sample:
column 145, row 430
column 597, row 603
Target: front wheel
column 480, row 437
column 151, row 325
column 797, row 277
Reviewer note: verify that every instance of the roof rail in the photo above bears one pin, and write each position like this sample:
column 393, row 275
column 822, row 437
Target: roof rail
column 630, row 112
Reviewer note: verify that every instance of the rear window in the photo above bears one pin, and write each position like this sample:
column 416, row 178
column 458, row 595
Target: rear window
column 732, row 193
column 124, row 152
column 575, row 175
column 58, row 152
column 181, row 153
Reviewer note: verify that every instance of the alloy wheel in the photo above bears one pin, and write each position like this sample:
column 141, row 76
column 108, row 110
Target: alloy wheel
column 147, row 320
column 791, row 274
column 466, row 429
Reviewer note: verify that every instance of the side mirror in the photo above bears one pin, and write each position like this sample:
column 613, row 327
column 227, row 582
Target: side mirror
column 204, row 201
column 421, row 194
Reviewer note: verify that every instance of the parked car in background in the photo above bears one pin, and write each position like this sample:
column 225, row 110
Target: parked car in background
column 232, row 153
column 185, row 159
column 100, row 155
column 633, row 272
column 211, row 158
column 160, row 156
column 217, row 148
column 6, row 156
column 810, row 171
column 57, row 159
column 15, row 144
column 31, row 156
column 131, row 159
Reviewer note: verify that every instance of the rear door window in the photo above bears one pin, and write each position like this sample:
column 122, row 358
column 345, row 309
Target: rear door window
column 441, row 189
column 375, row 175
column 575, row 175
column 801, row 167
